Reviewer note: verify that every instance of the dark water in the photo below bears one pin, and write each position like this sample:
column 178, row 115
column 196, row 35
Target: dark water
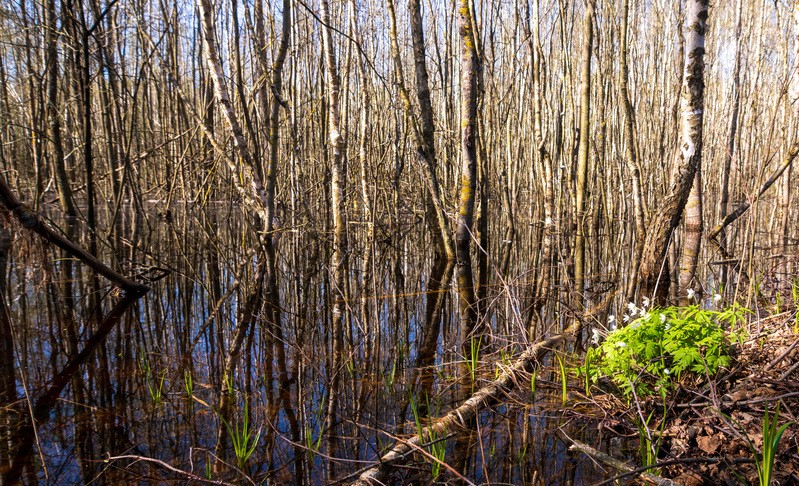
column 153, row 388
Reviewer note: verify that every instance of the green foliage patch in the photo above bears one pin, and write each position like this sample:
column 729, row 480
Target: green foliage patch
column 657, row 348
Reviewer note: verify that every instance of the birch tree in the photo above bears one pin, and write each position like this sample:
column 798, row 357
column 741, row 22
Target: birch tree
column 338, row 261
column 654, row 273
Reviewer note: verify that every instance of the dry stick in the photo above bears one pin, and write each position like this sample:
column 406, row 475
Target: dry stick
column 782, row 356
column 614, row 463
column 790, row 370
column 712, row 236
column 727, row 403
column 168, row 467
column 483, row 398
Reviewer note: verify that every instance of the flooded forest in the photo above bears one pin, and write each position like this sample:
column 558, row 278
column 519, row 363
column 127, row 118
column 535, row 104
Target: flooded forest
column 544, row 242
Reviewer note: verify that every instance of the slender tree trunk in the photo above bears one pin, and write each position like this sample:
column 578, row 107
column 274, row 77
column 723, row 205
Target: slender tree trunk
column 582, row 158
column 424, row 131
column 793, row 97
column 338, row 261
column 654, row 274
column 543, row 283
column 464, row 232
column 274, row 314
column 8, row 380
column 731, row 138
column 630, row 156
column 62, row 181
column 424, row 128
column 472, row 338
column 693, row 235
column 247, row 181
column 793, row 88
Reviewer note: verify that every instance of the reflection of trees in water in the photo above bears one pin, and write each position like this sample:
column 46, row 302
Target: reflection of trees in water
column 328, row 328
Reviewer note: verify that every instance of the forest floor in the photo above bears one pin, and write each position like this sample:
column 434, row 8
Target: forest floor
column 712, row 427
column 727, row 420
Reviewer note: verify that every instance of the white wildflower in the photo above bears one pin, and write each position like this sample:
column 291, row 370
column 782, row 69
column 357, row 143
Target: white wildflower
column 548, row 221
column 662, row 318
column 668, row 326
column 642, row 312
column 646, row 302
column 626, row 318
column 666, row 371
column 632, row 308
column 717, row 298
column 611, row 319
column 613, row 327
column 595, row 336
column 621, row 344
column 691, row 294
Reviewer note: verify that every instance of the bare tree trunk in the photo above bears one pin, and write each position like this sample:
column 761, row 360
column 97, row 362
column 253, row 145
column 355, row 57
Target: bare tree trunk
column 468, row 118
column 247, row 181
column 274, row 315
column 424, row 131
column 793, row 88
column 793, row 98
column 630, row 156
column 653, row 274
column 338, row 261
column 8, row 380
column 423, row 127
column 472, row 338
column 62, row 181
column 258, row 199
column 693, row 235
column 731, row 137
column 582, row 158
column 543, row 283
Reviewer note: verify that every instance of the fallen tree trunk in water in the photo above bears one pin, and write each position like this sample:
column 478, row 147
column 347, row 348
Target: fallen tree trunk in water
column 485, row 397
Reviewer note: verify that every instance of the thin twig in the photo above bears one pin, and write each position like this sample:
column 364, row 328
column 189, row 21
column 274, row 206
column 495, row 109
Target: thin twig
column 170, row 468
column 782, row 356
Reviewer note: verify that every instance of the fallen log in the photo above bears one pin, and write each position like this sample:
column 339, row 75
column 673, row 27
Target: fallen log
column 485, row 397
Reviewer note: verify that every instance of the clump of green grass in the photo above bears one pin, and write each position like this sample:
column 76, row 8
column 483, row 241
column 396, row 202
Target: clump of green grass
column 437, row 445
column 154, row 380
column 243, row 436
column 771, row 440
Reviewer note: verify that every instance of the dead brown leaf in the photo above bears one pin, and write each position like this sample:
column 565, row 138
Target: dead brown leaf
column 709, row 444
